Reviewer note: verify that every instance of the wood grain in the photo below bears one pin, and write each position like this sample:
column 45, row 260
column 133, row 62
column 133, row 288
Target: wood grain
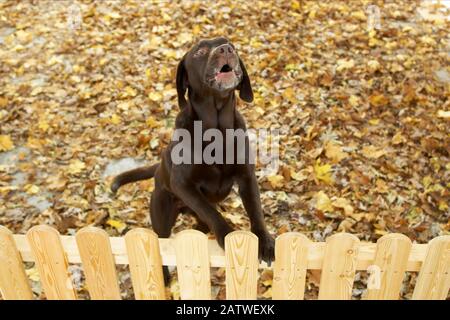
column 145, row 264
column 191, row 247
column 390, row 263
column 291, row 260
column 433, row 282
column 98, row 264
column 241, row 260
column 13, row 280
column 339, row 266
column 51, row 263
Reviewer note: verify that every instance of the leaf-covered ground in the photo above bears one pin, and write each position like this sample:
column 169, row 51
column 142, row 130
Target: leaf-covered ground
column 364, row 114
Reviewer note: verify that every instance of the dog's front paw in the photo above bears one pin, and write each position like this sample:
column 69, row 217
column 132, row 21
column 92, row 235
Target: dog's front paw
column 266, row 248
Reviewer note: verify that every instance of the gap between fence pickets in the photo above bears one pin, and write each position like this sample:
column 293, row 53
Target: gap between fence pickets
column 366, row 253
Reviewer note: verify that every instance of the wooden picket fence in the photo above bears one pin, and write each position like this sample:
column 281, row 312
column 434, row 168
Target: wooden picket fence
column 338, row 259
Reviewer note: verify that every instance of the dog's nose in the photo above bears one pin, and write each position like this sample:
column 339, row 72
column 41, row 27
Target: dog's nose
column 225, row 49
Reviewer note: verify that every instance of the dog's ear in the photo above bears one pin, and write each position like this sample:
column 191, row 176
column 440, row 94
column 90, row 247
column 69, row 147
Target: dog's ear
column 182, row 84
column 245, row 88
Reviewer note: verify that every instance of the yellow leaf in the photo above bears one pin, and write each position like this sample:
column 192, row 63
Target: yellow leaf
column 298, row 176
column 125, row 105
column 289, row 94
column 343, row 204
column 428, row 40
column 152, row 122
column 155, row 96
column 24, row 36
column 323, row 202
column 43, row 125
column 35, row 143
column 374, row 122
column 334, row 152
column 381, row 232
column 378, row 100
column 360, row 15
column 275, row 181
column 373, row 65
column 398, row 138
column 130, row 92
column 76, row 166
column 31, row 189
column 268, row 293
column 343, row 64
column 353, row 100
column 6, row 143
column 184, row 37
column 323, row 172
column 295, row 5
column 117, row 224
column 148, row 73
column 373, row 152
column 426, row 181
column 382, row 186
column 115, row 119
column 170, row 54
column 3, row 102
column 443, row 206
column 291, row 66
column 7, row 189
column 196, row 29
column 33, row 274
column 156, row 41
column 255, row 43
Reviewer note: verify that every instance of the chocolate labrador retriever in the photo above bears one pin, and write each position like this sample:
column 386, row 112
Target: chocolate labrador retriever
column 210, row 73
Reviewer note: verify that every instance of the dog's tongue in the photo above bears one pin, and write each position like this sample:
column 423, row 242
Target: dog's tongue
column 224, row 75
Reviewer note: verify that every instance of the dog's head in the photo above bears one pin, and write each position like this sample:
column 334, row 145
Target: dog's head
column 213, row 66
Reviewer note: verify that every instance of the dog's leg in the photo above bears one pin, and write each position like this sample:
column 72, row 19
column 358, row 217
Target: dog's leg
column 249, row 193
column 205, row 211
column 163, row 214
column 201, row 226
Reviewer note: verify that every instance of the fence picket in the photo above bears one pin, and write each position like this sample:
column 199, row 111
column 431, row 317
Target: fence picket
column 241, row 261
column 51, row 262
column 339, row 266
column 338, row 259
column 13, row 280
column 191, row 247
column 433, row 282
column 145, row 264
column 291, row 260
column 390, row 263
column 98, row 263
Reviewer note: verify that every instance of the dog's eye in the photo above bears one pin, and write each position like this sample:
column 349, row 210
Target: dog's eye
column 201, row 52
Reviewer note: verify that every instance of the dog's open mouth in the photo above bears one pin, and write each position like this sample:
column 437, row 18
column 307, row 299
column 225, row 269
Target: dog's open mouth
column 225, row 77
column 225, row 73
column 226, row 68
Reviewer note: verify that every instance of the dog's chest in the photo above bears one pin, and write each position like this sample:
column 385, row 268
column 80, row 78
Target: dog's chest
column 215, row 181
